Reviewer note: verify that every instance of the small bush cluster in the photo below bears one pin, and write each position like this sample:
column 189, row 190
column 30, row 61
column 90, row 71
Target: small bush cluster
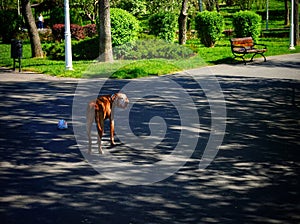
column 152, row 48
column 247, row 24
column 77, row 32
column 90, row 30
column 58, row 32
column 209, row 26
column 54, row 51
column 124, row 27
column 163, row 25
column 87, row 49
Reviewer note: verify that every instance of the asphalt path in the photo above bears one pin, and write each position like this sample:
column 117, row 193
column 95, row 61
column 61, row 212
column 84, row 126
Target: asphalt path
column 253, row 179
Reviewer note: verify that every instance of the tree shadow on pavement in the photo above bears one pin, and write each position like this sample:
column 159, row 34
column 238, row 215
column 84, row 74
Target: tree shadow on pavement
column 254, row 178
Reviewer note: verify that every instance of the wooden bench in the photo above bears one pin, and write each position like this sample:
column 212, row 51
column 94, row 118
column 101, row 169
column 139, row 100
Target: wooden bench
column 242, row 46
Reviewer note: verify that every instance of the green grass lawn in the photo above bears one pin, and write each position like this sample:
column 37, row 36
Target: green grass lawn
column 221, row 53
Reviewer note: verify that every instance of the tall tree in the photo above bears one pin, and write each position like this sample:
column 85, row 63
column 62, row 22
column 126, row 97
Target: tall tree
column 105, row 44
column 36, row 47
column 296, row 22
column 182, row 21
column 287, row 13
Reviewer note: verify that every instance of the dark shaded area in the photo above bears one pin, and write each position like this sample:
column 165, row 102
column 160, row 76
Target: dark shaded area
column 254, row 178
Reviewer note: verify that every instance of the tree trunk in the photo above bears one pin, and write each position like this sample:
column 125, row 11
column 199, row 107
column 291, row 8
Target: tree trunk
column 182, row 21
column 296, row 22
column 217, row 5
column 105, row 44
column 287, row 13
column 36, row 47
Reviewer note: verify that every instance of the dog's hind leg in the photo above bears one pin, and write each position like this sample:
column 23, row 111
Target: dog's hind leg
column 100, row 128
column 90, row 116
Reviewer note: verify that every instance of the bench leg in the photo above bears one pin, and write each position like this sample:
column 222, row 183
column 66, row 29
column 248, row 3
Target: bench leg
column 260, row 54
column 264, row 57
column 253, row 56
column 242, row 57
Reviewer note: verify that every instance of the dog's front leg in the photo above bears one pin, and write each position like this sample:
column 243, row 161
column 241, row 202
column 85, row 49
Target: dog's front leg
column 112, row 130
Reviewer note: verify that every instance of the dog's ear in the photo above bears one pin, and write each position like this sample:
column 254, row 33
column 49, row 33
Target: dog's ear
column 113, row 96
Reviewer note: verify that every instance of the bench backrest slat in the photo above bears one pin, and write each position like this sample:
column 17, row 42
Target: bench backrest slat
column 245, row 41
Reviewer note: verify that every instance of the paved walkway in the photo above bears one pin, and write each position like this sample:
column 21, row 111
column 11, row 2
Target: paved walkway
column 253, row 179
column 278, row 67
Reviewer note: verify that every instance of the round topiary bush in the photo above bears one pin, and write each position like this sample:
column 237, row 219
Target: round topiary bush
column 124, row 27
column 163, row 25
column 209, row 26
column 247, row 24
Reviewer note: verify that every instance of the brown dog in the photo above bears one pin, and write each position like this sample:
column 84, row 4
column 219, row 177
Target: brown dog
column 101, row 109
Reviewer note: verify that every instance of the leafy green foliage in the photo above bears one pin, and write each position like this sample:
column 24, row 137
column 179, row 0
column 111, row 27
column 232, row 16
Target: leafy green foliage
column 87, row 49
column 135, row 7
column 163, row 25
column 57, row 16
column 77, row 32
column 54, row 51
column 10, row 23
column 124, row 27
column 245, row 4
column 90, row 30
column 247, row 24
column 150, row 49
column 145, row 68
column 209, row 26
column 221, row 53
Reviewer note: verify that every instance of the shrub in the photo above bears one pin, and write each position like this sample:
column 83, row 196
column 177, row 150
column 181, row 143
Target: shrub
column 54, row 51
column 77, row 32
column 10, row 23
column 87, row 49
column 209, row 26
column 163, row 25
column 150, row 49
column 58, row 31
column 124, row 27
column 247, row 24
column 90, row 30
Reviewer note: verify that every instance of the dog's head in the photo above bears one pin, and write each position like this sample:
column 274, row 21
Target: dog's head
column 120, row 100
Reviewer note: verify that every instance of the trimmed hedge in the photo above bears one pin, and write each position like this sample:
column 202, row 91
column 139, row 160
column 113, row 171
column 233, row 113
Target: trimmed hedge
column 209, row 26
column 58, row 31
column 90, row 30
column 247, row 24
column 150, row 49
column 163, row 25
column 88, row 49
